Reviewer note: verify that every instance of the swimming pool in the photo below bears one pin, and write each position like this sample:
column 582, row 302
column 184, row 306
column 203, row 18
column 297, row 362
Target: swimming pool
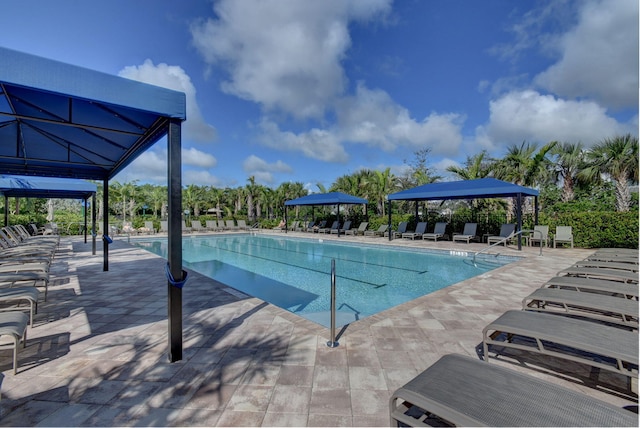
column 295, row 273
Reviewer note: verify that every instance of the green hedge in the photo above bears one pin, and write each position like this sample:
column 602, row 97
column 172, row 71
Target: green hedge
column 597, row 229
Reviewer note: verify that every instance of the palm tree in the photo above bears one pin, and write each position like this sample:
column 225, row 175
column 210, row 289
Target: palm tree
column 618, row 158
column 251, row 191
column 524, row 165
column 569, row 159
column 379, row 185
column 475, row 167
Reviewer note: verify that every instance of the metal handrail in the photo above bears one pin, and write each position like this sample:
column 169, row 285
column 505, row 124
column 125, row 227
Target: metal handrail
column 520, row 232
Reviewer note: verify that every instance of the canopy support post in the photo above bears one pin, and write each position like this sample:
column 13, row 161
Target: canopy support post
column 6, row 211
column 338, row 220
column 519, row 227
column 86, row 214
column 93, row 224
column 389, row 227
column 535, row 203
column 105, row 225
column 174, row 244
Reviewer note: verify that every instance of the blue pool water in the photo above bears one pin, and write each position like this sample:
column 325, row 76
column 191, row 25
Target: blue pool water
column 295, row 274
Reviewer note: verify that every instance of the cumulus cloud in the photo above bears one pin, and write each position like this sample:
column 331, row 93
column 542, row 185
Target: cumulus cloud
column 198, row 158
column 283, row 54
column 599, row 56
column 200, row 178
column 264, row 171
column 529, row 115
column 174, row 77
column 315, row 144
column 372, row 117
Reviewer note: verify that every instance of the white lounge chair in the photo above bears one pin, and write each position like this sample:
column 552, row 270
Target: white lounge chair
column 564, row 235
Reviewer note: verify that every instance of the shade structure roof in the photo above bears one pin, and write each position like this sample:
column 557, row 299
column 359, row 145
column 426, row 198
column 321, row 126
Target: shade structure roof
column 333, row 198
column 61, row 120
column 45, row 187
column 465, row 189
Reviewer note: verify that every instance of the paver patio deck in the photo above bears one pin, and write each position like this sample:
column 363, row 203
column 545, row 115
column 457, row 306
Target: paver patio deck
column 97, row 355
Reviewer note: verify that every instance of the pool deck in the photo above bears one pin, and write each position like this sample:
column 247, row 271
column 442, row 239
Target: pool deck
column 97, row 355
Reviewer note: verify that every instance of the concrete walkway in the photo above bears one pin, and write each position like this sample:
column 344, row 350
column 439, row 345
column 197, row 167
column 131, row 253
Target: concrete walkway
column 97, row 355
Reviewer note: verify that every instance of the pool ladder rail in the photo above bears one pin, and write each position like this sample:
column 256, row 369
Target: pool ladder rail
column 520, row 232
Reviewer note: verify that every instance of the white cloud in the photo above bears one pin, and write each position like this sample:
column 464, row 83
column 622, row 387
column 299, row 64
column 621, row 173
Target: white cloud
column 373, row 118
column 175, row 78
column 528, row 115
column 195, row 157
column 283, row 54
column 200, row 178
column 262, row 170
column 599, row 57
column 315, row 144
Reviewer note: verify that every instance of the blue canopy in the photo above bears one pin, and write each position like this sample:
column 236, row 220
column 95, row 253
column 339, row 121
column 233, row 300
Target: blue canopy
column 45, row 187
column 62, row 120
column 466, row 189
column 333, row 198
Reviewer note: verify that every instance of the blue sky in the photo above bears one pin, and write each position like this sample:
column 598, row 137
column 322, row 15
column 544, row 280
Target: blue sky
column 294, row 90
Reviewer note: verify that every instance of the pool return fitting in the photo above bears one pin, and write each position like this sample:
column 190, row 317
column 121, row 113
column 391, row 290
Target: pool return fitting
column 333, row 342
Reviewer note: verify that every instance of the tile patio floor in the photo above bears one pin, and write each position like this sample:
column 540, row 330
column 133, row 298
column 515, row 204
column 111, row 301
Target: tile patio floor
column 97, row 355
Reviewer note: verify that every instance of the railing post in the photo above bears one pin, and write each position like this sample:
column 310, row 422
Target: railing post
column 332, row 343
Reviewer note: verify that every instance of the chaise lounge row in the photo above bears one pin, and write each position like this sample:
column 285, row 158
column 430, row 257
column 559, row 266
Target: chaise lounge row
column 577, row 317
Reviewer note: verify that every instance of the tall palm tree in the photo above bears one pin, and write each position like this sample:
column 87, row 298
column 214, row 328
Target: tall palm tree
column 618, row 158
column 524, row 165
column 379, row 185
column 475, row 167
column 251, row 192
column 569, row 159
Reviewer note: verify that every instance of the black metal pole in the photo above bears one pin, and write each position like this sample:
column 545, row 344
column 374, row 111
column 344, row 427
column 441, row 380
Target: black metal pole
column 519, row 228
column 175, row 239
column 93, row 224
column 105, row 225
column 85, row 219
column 6, row 210
column 389, row 227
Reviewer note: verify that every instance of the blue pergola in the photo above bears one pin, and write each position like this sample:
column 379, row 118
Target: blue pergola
column 468, row 189
column 60, row 120
column 332, row 198
column 14, row 186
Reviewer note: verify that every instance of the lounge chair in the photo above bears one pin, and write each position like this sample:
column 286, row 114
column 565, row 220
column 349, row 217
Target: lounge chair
column 564, row 235
column 35, row 278
column 506, row 232
column 402, row 228
column 316, row 228
column 421, row 228
column 438, row 232
column 629, row 267
column 542, row 237
column 596, row 257
column 14, row 324
column 242, row 225
column 196, row 226
column 334, row 226
column 18, row 294
column 303, row 226
column 463, row 391
column 381, row 231
column 359, row 231
column 587, row 342
column 211, row 225
column 610, row 274
column 148, row 225
column 231, row 224
column 586, row 305
column 346, row 226
column 468, row 233
column 222, row 225
column 164, row 226
column 612, row 288
column 185, row 228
